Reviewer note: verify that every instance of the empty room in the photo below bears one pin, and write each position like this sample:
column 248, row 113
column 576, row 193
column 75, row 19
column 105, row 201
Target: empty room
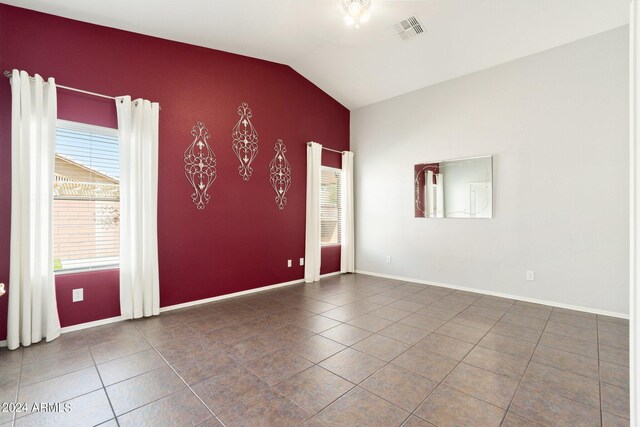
column 319, row 213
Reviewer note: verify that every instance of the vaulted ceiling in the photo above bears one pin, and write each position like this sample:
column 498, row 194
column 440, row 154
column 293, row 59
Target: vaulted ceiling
column 359, row 66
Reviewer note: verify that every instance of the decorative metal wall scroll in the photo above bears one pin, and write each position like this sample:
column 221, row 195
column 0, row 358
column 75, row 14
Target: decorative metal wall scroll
column 280, row 174
column 200, row 165
column 245, row 141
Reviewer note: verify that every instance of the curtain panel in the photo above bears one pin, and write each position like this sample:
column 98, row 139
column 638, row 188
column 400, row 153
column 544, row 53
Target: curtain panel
column 312, row 232
column 138, row 135
column 347, row 252
column 33, row 311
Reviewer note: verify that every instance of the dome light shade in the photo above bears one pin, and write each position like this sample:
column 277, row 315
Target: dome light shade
column 356, row 11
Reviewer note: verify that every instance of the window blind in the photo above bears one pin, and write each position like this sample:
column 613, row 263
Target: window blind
column 330, row 214
column 86, row 205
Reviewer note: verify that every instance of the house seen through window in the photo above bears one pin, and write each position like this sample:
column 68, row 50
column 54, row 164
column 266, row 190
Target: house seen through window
column 330, row 206
column 86, row 205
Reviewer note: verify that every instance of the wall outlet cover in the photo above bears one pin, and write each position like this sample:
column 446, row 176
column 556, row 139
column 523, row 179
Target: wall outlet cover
column 531, row 275
column 288, row 263
column 78, row 295
column 301, row 261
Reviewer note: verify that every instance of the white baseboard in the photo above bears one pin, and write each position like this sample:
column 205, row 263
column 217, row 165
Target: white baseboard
column 183, row 305
column 237, row 294
column 93, row 324
column 81, row 326
column 500, row 294
column 335, row 273
column 226, row 296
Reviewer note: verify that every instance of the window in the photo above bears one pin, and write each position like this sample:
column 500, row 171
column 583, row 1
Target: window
column 330, row 206
column 86, row 198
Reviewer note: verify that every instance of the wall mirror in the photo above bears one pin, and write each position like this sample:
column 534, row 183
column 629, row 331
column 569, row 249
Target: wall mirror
column 459, row 188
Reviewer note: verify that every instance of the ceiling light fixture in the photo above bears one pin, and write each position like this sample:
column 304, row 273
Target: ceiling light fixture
column 356, row 12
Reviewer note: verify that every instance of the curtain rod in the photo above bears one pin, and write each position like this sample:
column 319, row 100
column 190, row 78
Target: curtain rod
column 7, row 74
column 329, row 149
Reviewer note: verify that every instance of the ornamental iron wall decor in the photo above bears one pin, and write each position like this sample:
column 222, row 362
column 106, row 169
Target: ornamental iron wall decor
column 200, row 165
column 280, row 174
column 245, row 141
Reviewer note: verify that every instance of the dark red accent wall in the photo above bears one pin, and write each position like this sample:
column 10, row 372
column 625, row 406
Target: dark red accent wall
column 241, row 240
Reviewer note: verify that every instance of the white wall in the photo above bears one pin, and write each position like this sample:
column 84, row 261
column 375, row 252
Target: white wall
column 557, row 126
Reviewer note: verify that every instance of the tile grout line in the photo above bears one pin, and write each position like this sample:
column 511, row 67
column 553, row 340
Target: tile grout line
column 387, row 363
column 526, row 369
column 412, row 346
column 318, row 364
column 14, row 416
column 460, row 361
column 599, row 379
column 104, row 388
column 181, row 379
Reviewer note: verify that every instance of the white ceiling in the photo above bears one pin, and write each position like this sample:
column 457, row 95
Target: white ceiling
column 358, row 67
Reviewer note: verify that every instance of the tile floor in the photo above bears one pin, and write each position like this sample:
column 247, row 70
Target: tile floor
column 349, row 350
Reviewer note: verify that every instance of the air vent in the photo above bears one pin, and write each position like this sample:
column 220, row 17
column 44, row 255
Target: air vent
column 409, row 28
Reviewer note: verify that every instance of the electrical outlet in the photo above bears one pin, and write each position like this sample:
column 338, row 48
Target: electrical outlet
column 78, row 295
column 288, row 263
column 301, row 261
column 388, row 259
column 531, row 275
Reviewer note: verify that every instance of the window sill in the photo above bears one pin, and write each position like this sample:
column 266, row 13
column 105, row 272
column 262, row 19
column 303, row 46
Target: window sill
column 331, row 245
column 86, row 270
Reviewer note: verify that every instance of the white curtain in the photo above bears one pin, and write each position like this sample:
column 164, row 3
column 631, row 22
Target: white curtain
column 138, row 134
column 440, row 195
column 33, row 311
column 347, row 252
column 312, row 234
column 431, row 199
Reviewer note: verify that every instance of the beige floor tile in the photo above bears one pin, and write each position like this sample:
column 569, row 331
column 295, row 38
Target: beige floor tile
column 314, row 388
column 55, row 366
column 277, row 367
column 61, row 388
column 362, row 408
column 430, row 365
column 317, row 348
column 138, row 391
column 497, row 362
column 461, row 332
column 570, row 344
column 352, row 365
column 611, row 373
column 346, row 334
column 516, row 331
column 317, row 324
column 382, row 347
column 445, row 346
column 399, row 386
column 447, row 407
column 550, row 408
column 566, row 361
column 180, row 408
column 495, row 389
column 265, row 408
column 370, row 323
column 615, row 400
column 513, row 346
column 130, row 366
column 573, row 386
column 404, row 333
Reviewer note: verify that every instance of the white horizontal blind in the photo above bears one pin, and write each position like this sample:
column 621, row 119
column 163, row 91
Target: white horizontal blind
column 330, row 206
column 86, row 205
